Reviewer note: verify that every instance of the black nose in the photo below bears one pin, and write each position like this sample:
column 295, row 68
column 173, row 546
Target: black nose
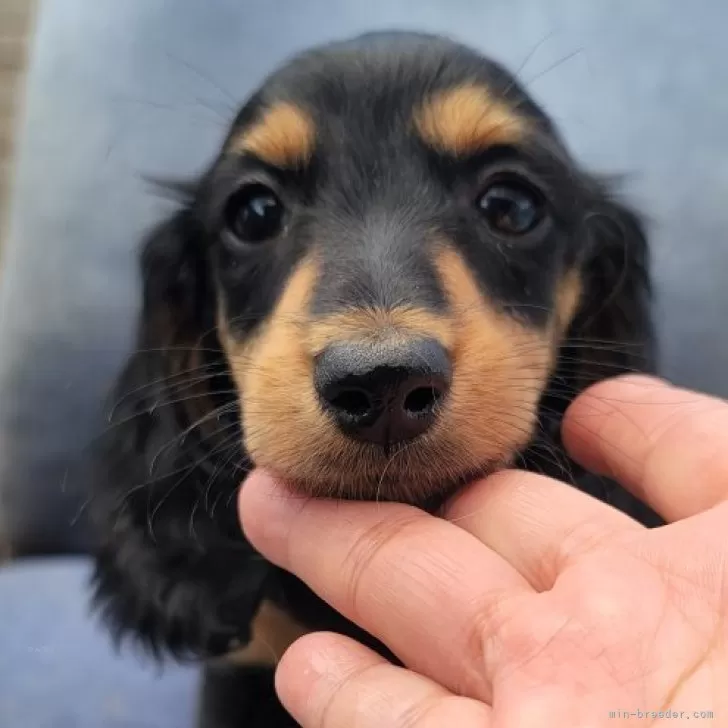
column 383, row 393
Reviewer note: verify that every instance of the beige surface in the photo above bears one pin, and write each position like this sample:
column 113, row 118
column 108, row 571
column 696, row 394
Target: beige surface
column 15, row 24
column 15, row 28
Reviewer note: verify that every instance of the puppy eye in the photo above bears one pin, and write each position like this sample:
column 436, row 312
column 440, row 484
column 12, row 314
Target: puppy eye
column 512, row 207
column 254, row 214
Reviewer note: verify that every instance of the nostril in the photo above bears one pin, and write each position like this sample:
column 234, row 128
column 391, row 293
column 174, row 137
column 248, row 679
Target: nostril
column 352, row 402
column 383, row 392
column 422, row 400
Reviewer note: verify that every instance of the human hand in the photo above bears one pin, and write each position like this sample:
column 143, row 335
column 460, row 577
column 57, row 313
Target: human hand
column 532, row 604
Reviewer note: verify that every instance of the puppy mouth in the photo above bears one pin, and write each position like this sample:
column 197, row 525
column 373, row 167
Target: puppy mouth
column 423, row 492
column 435, row 502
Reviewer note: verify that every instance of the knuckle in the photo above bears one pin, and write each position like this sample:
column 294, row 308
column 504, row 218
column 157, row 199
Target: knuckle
column 340, row 704
column 378, row 542
column 420, row 712
column 485, row 643
column 441, row 710
column 530, row 634
column 585, row 538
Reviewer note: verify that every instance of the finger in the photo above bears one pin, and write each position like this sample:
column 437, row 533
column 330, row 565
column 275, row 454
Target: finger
column 329, row 681
column 668, row 446
column 537, row 524
column 430, row 591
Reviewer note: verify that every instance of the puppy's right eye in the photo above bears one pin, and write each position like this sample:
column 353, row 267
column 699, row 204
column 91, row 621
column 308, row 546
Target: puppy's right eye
column 254, row 214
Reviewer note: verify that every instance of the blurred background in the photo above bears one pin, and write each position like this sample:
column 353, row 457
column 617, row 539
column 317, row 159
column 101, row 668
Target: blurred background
column 97, row 94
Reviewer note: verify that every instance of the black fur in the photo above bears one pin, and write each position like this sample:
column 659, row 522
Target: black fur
column 173, row 569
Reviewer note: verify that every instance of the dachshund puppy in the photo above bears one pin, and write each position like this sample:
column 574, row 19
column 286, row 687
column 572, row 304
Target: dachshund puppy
column 392, row 280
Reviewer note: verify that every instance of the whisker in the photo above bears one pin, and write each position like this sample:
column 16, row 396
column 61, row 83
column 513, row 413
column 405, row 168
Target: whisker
column 166, row 380
column 208, row 486
column 526, row 60
column 186, row 474
column 553, row 67
column 205, row 77
column 180, row 437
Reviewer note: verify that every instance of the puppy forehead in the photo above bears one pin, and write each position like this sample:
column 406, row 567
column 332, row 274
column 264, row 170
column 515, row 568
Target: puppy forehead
column 352, row 112
column 452, row 97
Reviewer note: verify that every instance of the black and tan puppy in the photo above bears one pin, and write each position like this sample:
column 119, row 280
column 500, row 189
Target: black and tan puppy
column 394, row 278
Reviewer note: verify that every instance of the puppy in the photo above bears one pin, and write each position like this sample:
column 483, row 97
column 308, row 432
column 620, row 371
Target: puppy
column 392, row 280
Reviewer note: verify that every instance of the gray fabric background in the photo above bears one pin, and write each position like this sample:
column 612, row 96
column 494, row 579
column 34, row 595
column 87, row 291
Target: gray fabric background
column 118, row 90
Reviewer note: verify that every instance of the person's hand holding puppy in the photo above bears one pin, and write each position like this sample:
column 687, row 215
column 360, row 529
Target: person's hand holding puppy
column 531, row 604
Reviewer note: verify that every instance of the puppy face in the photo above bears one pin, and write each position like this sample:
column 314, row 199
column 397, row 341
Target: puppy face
column 398, row 248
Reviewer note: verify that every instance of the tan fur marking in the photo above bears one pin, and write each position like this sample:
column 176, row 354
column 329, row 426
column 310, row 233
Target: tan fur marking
column 283, row 423
column 500, row 367
column 283, row 137
column 273, row 632
column 467, row 119
column 286, row 430
column 568, row 297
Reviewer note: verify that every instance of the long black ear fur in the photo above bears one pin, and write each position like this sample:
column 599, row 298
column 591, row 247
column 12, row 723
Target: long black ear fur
column 612, row 332
column 163, row 573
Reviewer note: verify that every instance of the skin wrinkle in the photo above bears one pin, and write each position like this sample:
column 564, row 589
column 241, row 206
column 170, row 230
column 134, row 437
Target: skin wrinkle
column 358, row 673
column 561, row 637
column 482, row 642
column 366, row 549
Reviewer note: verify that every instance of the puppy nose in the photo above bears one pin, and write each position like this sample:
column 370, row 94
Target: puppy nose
column 383, row 394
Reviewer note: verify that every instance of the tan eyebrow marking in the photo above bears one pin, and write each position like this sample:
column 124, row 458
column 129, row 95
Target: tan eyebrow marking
column 284, row 137
column 467, row 119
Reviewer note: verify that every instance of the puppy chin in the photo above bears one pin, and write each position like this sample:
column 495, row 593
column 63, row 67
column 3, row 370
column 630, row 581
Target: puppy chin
column 424, row 494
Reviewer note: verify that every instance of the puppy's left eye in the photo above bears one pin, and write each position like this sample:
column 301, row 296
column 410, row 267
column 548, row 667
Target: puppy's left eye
column 254, row 214
column 512, row 207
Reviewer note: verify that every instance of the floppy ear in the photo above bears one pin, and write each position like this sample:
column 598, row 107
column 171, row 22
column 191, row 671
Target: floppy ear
column 611, row 334
column 175, row 284
column 612, row 331
column 153, row 579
